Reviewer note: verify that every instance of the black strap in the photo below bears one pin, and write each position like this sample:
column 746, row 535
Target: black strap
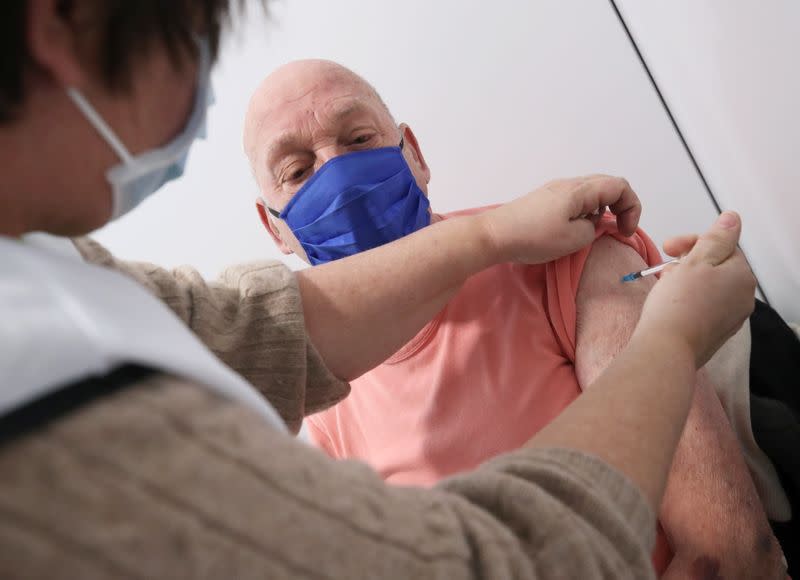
column 774, row 357
column 67, row 399
column 775, row 413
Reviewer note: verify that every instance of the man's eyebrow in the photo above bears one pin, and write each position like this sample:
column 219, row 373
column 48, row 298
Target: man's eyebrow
column 279, row 147
column 287, row 142
column 351, row 108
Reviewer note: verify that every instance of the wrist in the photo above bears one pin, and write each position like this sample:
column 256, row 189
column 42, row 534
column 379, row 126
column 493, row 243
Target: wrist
column 658, row 345
column 492, row 250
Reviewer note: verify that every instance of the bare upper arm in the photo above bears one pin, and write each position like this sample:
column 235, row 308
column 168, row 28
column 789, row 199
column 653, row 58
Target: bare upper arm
column 607, row 309
column 710, row 506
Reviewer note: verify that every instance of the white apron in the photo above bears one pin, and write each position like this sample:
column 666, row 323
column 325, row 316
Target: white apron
column 63, row 320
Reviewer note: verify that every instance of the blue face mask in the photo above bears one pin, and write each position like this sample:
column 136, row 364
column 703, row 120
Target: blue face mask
column 137, row 177
column 356, row 202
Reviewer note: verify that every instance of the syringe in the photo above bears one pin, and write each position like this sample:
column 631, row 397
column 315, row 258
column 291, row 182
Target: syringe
column 649, row 271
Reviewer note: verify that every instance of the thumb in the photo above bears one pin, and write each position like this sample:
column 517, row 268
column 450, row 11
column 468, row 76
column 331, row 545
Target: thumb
column 720, row 241
column 680, row 245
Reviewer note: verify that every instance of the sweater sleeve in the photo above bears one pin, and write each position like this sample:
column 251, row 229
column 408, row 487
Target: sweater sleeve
column 251, row 317
column 166, row 479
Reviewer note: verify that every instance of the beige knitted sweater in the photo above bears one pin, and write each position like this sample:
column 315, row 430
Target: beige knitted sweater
column 167, row 480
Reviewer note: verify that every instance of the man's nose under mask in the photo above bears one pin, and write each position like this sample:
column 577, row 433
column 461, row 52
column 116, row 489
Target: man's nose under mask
column 356, row 202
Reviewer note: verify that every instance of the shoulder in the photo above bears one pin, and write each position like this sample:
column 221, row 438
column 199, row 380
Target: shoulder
column 607, row 308
column 609, row 260
column 92, row 251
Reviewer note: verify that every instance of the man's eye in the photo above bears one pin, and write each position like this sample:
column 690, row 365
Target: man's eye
column 362, row 139
column 294, row 174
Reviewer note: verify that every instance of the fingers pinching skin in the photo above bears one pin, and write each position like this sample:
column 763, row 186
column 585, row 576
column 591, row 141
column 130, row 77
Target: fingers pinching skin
column 719, row 242
column 558, row 218
column 615, row 193
column 628, row 209
column 623, row 203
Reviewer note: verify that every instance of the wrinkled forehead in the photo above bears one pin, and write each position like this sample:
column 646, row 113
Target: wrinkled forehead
column 317, row 107
column 327, row 118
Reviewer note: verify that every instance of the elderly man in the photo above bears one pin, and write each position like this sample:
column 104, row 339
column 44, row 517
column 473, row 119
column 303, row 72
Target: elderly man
column 527, row 338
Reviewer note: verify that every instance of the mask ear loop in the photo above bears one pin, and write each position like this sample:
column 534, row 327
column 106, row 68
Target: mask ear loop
column 99, row 124
column 105, row 130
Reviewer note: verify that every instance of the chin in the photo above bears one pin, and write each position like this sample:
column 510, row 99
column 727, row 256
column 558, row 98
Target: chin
column 80, row 225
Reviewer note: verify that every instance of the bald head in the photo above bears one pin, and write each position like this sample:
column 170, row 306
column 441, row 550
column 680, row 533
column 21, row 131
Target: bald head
column 301, row 94
column 299, row 77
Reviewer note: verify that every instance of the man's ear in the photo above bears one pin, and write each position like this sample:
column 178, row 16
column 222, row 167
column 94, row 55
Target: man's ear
column 53, row 42
column 413, row 146
column 266, row 219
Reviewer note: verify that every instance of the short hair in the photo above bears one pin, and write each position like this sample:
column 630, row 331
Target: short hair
column 127, row 30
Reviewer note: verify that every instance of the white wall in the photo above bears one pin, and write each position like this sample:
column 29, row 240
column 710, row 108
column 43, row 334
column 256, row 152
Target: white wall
column 503, row 96
column 730, row 73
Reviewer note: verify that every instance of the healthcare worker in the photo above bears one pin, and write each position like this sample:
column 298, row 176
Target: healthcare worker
column 129, row 449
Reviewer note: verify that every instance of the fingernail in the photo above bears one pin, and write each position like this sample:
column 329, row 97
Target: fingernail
column 727, row 219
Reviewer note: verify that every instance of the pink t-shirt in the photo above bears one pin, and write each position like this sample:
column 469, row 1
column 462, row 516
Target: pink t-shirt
column 494, row 367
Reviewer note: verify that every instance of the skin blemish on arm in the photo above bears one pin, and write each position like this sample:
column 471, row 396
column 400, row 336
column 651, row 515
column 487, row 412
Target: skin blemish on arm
column 705, row 568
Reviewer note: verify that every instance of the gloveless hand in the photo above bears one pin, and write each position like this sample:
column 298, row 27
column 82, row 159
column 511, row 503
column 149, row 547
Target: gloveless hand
column 559, row 218
column 706, row 298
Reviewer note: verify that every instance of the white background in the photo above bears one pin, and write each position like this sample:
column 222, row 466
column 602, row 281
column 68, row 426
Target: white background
column 503, row 96
column 731, row 76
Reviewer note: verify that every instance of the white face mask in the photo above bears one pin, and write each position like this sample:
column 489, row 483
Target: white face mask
column 137, row 177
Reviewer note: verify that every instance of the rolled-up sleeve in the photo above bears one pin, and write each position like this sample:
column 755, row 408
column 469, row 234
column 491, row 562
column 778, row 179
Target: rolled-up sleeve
column 251, row 317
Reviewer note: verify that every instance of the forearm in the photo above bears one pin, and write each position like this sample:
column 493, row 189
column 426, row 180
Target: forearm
column 362, row 309
column 633, row 414
column 711, row 511
column 638, row 420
